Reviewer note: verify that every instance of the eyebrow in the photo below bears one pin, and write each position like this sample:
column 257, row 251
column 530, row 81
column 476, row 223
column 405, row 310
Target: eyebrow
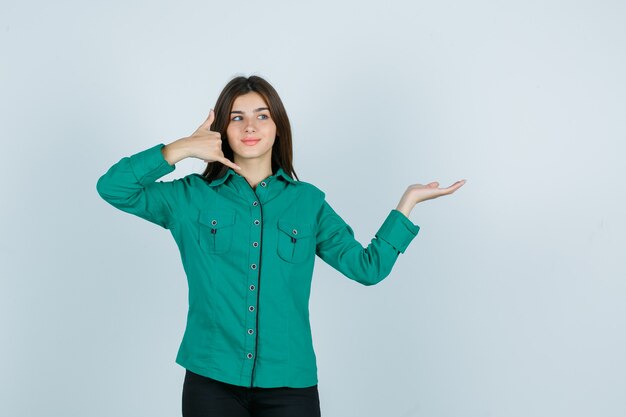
column 256, row 110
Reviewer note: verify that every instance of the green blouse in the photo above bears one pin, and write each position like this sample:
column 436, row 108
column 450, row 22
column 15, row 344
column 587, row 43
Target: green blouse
column 249, row 255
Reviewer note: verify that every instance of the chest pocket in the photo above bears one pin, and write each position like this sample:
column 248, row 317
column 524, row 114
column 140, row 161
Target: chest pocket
column 215, row 230
column 296, row 240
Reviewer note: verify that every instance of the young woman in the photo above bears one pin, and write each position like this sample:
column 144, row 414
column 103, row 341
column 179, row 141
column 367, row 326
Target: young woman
column 248, row 234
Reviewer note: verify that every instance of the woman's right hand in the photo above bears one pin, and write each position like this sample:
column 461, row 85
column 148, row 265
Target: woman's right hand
column 204, row 144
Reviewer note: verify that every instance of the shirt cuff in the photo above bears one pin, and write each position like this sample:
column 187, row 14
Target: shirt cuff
column 150, row 165
column 398, row 230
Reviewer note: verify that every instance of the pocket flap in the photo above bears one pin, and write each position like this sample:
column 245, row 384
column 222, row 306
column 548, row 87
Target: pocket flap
column 296, row 229
column 217, row 219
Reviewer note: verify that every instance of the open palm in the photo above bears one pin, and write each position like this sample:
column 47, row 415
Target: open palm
column 416, row 193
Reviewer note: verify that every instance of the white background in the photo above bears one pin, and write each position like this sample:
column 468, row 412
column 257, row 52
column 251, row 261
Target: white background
column 509, row 302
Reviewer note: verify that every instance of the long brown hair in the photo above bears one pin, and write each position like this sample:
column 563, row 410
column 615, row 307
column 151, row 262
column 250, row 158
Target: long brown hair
column 281, row 150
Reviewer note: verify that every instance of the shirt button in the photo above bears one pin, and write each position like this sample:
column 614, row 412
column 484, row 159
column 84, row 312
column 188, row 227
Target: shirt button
column 253, row 266
column 263, row 184
column 255, row 244
column 294, row 231
column 256, row 203
column 251, row 308
column 213, row 222
column 252, row 287
column 249, row 355
column 250, row 331
column 256, row 222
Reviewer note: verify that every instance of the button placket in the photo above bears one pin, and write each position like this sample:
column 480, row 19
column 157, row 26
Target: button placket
column 254, row 269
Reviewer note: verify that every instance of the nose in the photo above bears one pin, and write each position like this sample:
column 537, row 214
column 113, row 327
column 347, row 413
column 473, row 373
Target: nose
column 250, row 126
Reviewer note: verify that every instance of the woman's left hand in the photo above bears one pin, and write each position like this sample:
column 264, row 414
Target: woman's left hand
column 417, row 193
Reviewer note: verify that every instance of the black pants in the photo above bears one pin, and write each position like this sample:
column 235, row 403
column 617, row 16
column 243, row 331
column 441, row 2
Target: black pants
column 206, row 397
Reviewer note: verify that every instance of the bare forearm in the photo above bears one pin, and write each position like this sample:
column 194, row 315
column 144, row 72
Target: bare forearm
column 175, row 151
column 405, row 208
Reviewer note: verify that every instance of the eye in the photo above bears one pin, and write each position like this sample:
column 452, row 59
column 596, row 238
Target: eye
column 265, row 116
column 234, row 118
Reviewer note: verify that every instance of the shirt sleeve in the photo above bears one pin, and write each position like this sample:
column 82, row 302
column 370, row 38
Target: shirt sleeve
column 337, row 246
column 130, row 185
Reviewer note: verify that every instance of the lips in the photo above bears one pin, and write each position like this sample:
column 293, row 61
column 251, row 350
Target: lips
column 250, row 141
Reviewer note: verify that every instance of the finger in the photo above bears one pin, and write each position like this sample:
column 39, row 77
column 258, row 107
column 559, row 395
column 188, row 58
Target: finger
column 227, row 162
column 209, row 121
column 455, row 186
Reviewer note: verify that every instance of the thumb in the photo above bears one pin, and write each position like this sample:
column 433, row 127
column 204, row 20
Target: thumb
column 209, row 121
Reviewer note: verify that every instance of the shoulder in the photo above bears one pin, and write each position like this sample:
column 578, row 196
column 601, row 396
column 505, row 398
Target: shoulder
column 311, row 189
column 182, row 185
column 193, row 180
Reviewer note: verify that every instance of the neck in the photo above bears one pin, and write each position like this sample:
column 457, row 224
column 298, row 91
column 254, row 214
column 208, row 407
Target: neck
column 254, row 170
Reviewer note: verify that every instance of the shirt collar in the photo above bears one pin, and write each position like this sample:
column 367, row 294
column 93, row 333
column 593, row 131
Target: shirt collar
column 279, row 173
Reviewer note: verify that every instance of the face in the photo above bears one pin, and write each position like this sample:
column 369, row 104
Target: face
column 250, row 119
